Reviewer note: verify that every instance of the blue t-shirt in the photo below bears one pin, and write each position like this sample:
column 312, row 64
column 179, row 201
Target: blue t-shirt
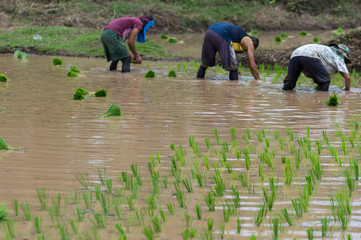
column 231, row 33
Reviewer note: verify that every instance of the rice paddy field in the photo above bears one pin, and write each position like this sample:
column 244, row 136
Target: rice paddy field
column 182, row 159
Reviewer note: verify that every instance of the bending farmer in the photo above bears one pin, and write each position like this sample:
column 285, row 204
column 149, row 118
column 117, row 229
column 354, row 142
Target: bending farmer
column 227, row 39
column 117, row 32
column 318, row 62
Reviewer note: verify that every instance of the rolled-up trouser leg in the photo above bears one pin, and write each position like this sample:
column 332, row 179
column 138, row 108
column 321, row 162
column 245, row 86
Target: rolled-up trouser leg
column 294, row 71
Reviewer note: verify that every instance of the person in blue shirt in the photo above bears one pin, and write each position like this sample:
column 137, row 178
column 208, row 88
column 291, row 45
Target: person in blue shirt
column 227, row 39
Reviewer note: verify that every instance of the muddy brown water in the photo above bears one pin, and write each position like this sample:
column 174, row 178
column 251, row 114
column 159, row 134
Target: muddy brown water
column 60, row 138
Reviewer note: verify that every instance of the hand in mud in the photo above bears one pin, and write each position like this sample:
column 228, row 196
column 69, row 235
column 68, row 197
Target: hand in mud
column 138, row 59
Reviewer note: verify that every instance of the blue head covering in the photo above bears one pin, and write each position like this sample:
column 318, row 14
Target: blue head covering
column 148, row 22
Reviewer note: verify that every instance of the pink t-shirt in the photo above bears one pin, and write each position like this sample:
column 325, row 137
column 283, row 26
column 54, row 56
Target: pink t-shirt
column 123, row 26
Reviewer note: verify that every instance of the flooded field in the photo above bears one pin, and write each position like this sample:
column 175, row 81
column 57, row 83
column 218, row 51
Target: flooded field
column 188, row 158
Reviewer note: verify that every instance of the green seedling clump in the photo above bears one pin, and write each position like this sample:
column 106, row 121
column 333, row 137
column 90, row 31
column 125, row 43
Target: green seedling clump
column 316, row 40
column 74, row 69
column 254, row 33
column 278, row 39
column 71, row 74
column 150, row 74
column 3, row 78
column 172, row 40
column 284, row 35
column 101, row 93
column 21, row 54
column 303, row 34
column 3, row 212
column 3, row 145
column 164, row 36
column 333, row 100
column 57, row 61
column 172, row 73
column 112, row 111
column 80, row 94
column 338, row 31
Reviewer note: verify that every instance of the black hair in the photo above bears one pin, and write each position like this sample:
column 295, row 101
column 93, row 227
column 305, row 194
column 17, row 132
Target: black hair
column 149, row 17
column 256, row 41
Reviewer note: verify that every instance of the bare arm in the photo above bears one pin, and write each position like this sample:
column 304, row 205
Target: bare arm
column 131, row 44
column 346, row 76
column 251, row 61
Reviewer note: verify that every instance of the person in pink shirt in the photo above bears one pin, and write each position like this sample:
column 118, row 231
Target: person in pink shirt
column 123, row 29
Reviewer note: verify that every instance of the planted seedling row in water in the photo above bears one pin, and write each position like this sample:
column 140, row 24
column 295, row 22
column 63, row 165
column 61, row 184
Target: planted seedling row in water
column 207, row 179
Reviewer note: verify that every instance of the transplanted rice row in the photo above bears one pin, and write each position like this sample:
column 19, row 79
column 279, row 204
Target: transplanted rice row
column 267, row 179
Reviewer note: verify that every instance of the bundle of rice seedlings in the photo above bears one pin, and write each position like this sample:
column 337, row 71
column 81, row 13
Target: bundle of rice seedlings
column 3, row 78
column 101, row 93
column 20, row 54
column 112, row 111
column 3, row 145
column 57, row 61
column 172, row 73
column 80, row 94
column 333, row 100
column 150, row 74
column 74, row 69
column 71, row 74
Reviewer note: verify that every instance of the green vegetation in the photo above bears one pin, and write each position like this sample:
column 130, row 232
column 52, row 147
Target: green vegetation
column 3, row 212
column 101, row 93
column 57, row 61
column 68, row 41
column 173, row 40
column 172, row 73
column 333, row 100
column 74, row 69
column 278, row 39
column 284, row 35
column 20, row 54
column 164, row 36
column 112, row 111
column 71, row 74
column 3, row 78
column 316, row 40
column 149, row 74
column 3, row 145
column 80, row 93
column 303, row 34
column 254, row 32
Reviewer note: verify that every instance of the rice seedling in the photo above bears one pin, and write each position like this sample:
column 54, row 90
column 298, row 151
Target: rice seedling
column 3, row 213
column 333, row 100
column 278, row 39
column 79, row 214
column 112, row 111
column 253, row 237
column 15, row 204
column 296, row 202
column 80, row 93
column 101, row 93
column 119, row 227
column 42, row 196
column 349, row 237
column 198, row 211
column 288, row 173
column 57, row 61
column 130, row 201
column 216, row 135
column 355, row 168
column 316, row 166
column 338, row 31
column 104, row 203
column 63, row 229
column 276, row 227
column 84, row 180
column 9, row 227
column 310, row 233
column 25, row 207
column 3, row 78
column 234, row 137
column 267, row 158
column 109, row 184
column 99, row 220
column 350, row 181
column 188, row 219
column 172, row 74
column 210, row 200
column 157, row 224
column 148, row 232
column 164, row 36
column 38, row 223
column 179, row 195
column 254, row 32
column 341, row 208
column 261, row 215
column 287, row 217
column 290, row 134
column 194, row 146
column 260, row 171
column 172, row 40
column 71, row 74
column 309, row 185
column 20, row 54
column 303, row 34
column 325, row 221
column 149, row 74
column 316, row 40
column 222, row 229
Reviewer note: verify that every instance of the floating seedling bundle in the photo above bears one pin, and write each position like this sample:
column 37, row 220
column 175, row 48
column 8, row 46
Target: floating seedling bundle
column 3, row 78
column 57, row 61
column 113, row 111
column 20, row 54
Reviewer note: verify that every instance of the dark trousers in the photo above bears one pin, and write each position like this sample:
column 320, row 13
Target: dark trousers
column 313, row 66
